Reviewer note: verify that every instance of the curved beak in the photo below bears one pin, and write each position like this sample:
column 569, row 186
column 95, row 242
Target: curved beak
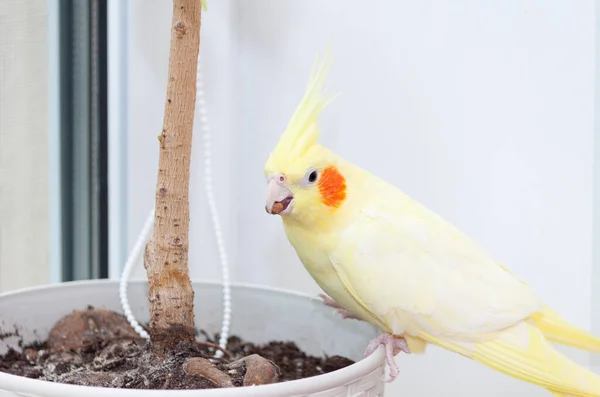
column 279, row 197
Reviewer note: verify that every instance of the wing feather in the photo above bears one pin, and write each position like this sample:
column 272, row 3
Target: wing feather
column 418, row 273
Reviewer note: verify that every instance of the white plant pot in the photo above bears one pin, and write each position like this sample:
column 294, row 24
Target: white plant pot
column 259, row 315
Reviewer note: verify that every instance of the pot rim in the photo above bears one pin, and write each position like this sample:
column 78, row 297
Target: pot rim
column 313, row 384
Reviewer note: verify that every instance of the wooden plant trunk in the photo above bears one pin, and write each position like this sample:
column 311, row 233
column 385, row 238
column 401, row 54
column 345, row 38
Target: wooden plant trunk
column 166, row 255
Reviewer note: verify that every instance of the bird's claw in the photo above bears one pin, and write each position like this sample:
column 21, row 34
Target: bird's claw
column 338, row 308
column 393, row 346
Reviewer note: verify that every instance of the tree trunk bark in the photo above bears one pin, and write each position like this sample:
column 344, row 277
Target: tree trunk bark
column 166, row 256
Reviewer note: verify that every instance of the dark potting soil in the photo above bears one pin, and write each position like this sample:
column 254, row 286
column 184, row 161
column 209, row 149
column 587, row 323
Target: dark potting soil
column 96, row 347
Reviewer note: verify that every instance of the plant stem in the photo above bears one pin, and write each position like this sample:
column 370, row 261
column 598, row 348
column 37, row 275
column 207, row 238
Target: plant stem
column 166, row 256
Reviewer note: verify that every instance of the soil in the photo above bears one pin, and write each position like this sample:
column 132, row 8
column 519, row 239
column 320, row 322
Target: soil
column 96, row 347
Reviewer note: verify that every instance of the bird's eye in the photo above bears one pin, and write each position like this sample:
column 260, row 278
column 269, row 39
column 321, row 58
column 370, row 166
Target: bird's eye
column 311, row 176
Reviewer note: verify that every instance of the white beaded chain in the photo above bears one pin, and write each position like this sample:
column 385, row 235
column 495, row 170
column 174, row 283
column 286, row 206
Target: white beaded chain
column 133, row 256
column 147, row 229
column 201, row 106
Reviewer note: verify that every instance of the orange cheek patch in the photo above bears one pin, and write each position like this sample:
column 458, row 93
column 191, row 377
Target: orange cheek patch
column 332, row 186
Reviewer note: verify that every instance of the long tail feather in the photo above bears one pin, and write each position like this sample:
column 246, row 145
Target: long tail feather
column 557, row 330
column 524, row 353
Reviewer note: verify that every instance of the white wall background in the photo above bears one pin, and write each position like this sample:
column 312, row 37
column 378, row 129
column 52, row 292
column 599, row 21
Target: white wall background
column 484, row 111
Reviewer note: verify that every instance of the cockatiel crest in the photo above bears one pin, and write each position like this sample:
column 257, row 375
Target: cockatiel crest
column 302, row 131
column 301, row 173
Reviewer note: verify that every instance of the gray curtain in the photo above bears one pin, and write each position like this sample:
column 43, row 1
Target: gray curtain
column 24, row 175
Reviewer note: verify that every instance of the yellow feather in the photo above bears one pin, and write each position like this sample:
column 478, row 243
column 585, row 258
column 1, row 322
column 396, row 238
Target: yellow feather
column 522, row 351
column 302, row 131
column 557, row 330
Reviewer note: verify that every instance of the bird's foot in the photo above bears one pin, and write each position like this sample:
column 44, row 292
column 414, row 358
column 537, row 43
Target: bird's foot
column 393, row 346
column 338, row 308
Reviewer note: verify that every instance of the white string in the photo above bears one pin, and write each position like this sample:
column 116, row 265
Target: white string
column 147, row 229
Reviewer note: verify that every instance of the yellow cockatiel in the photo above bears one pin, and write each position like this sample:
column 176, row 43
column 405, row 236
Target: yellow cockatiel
column 386, row 259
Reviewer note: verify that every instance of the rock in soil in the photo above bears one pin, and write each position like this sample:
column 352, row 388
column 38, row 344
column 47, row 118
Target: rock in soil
column 258, row 370
column 85, row 327
column 97, row 347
